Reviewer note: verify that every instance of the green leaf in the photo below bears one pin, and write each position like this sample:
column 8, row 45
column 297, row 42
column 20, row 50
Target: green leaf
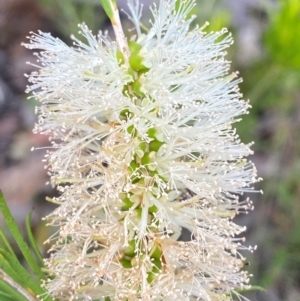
column 4, row 265
column 109, row 7
column 15, row 231
column 32, row 240
column 7, row 244
column 19, row 273
column 2, row 294
column 5, row 297
column 4, row 287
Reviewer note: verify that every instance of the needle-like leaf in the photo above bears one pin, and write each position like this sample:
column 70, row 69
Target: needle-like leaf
column 32, row 240
column 15, row 231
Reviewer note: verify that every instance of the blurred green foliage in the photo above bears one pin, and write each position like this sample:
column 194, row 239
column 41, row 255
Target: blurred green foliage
column 67, row 14
column 272, row 85
column 281, row 36
column 17, row 283
column 212, row 12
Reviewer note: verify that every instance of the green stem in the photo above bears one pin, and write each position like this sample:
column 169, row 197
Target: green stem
column 111, row 9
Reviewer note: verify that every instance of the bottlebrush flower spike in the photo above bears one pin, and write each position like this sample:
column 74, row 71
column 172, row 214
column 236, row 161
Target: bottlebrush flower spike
column 142, row 149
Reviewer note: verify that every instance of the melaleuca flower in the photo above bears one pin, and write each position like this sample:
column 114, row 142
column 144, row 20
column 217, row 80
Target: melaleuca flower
column 143, row 149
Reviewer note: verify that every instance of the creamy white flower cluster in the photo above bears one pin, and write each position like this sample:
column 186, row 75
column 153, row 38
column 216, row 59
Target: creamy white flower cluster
column 148, row 165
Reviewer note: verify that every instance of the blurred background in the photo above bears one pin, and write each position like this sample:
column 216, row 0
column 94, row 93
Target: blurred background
column 267, row 55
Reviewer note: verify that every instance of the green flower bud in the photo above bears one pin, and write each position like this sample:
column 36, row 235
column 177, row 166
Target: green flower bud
column 127, row 204
column 126, row 262
column 156, row 254
column 152, row 209
column 134, row 46
column 130, row 129
column 151, row 133
column 131, row 248
column 136, row 62
column 120, row 57
column 155, row 145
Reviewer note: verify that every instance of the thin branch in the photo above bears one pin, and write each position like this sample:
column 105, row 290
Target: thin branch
column 120, row 36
